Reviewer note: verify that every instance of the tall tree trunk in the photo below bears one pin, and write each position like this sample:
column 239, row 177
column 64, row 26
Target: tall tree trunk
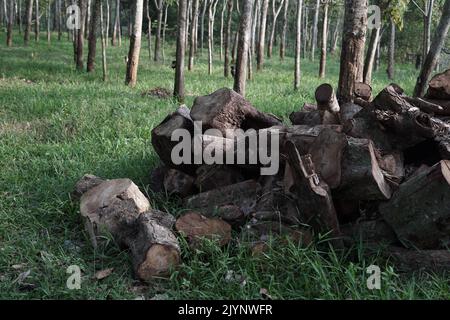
column 79, row 39
column 370, row 56
column 178, row 90
column 284, row 30
column 193, row 39
column 19, row 16
column 432, row 57
column 116, row 29
column 37, row 22
column 163, row 41
column 376, row 65
column 334, row 44
column 305, row 31
column 428, row 20
column 135, row 44
column 245, row 25
column 262, row 35
column 87, row 20
column 104, row 39
column 226, row 65
column 221, row 29
column 391, row 53
column 275, row 13
column 352, row 52
column 315, row 30
column 298, row 44
column 10, row 23
column 92, row 43
column 48, row 23
column 255, row 22
column 211, row 13
column 149, row 29
column 106, row 26
column 59, row 19
column 159, row 4
column 202, row 26
column 323, row 49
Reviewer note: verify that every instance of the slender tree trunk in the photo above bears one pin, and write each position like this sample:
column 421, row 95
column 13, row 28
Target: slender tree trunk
column 323, row 49
column 211, row 13
column 315, row 30
column 106, row 26
column 334, row 44
column 305, row 30
column 234, row 49
column 163, row 42
column 284, row 30
column 255, row 21
column 245, row 26
column 378, row 52
column 135, row 44
column 59, row 19
column 371, row 54
column 48, row 23
column 432, row 57
column 178, row 91
column 10, row 24
column 87, row 20
column 104, row 39
column 275, row 13
column 92, row 43
column 37, row 22
column 352, row 52
column 159, row 4
column 221, row 29
column 202, row 27
column 298, row 42
column 193, row 39
column 262, row 35
column 149, row 29
column 226, row 65
column 428, row 20
column 80, row 35
column 116, row 30
column 391, row 53
column 19, row 16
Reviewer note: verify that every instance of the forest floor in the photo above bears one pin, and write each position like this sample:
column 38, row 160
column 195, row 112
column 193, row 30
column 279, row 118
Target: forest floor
column 57, row 124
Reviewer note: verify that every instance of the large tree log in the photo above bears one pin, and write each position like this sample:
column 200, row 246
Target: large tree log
column 327, row 104
column 348, row 111
column 211, row 177
column 225, row 109
column 162, row 134
column 303, row 136
column 313, row 195
column 439, row 86
column 419, row 212
column 419, row 260
column 308, row 118
column 118, row 208
column 361, row 177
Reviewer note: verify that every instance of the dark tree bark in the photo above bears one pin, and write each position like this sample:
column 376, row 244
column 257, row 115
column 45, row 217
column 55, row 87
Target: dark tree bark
column 135, row 44
column 104, row 41
column 92, row 44
column 262, row 35
column 37, row 22
column 298, row 42
column 226, row 65
column 159, row 4
column 323, row 49
column 275, row 14
column 435, row 50
column 391, row 53
column 315, row 30
column 79, row 38
column 193, row 32
column 245, row 25
column 48, row 23
column 178, row 91
column 352, row 53
column 10, row 24
column 284, row 30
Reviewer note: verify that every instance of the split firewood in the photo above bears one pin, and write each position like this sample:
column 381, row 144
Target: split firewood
column 361, row 176
column 419, row 212
column 118, row 208
column 211, row 177
column 195, row 226
column 326, row 154
column 313, row 195
column 407, row 260
column 162, row 136
column 242, row 194
column 439, row 86
column 87, row 182
column 392, row 166
column 327, row 104
column 178, row 183
column 363, row 90
column 225, row 109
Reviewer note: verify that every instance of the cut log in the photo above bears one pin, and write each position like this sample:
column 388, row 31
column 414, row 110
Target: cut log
column 304, row 136
column 162, row 137
column 444, row 104
column 87, row 182
column 439, row 86
column 426, row 106
column 195, row 227
column 178, row 183
column 348, row 111
column 157, row 178
column 326, row 98
column 363, row 90
column 326, row 154
column 211, row 177
column 361, row 177
column 225, row 109
column 419, row 212
column 313, row 118
column 392, row 166
column 243, row 195
column 313, row 195
column 419, row 260
column 444, row 147
column 392, row 98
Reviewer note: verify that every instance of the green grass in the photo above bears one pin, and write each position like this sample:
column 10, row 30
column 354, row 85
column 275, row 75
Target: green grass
column 57, row 124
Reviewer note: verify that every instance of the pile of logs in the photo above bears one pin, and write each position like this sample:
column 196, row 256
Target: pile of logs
column 376, row 170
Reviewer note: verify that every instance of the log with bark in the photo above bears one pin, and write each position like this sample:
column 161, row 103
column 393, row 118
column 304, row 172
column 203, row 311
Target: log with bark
column 327, row 103
column 439, row 86
column 419, row 260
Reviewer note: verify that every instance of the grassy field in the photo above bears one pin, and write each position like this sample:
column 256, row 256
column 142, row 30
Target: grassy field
column 57, row 124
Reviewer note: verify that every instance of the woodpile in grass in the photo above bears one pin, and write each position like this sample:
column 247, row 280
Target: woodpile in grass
column 375, row 170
